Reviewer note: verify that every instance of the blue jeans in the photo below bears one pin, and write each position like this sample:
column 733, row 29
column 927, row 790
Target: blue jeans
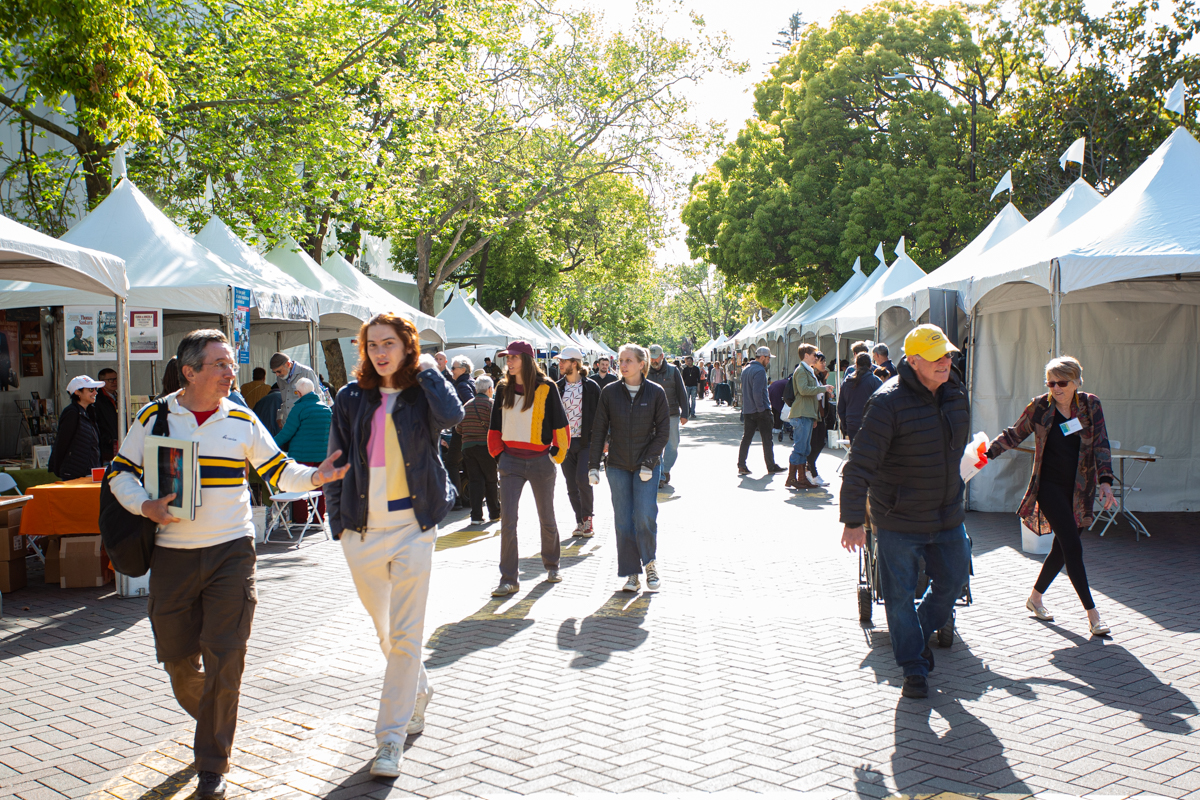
column 635, row 517
column 692, row 391
column 947, row 563
column 672, row 450
column 802, row 430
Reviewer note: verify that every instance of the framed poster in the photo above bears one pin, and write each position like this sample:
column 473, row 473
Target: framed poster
column 80, row 328
column 10, row 356
column 145, row 334
column 106, row 333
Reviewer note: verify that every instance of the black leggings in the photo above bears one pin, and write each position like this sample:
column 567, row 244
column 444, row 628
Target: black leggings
column 1056, row 504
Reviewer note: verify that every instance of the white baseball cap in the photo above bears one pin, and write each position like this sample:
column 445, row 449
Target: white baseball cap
column 82, row 382
column 571, row 352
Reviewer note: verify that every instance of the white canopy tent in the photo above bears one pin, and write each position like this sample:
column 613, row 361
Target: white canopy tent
column 430, row 329
column 468, row 326
column 517, row 331
column 831, row 301
column 1117, row 289
column 335, row 300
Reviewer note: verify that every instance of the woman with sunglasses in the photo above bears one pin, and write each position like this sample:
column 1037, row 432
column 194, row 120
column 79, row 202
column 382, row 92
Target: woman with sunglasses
column 77, row 446
column 1070, row 458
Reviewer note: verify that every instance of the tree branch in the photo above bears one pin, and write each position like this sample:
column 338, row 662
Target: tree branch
column 44, row 124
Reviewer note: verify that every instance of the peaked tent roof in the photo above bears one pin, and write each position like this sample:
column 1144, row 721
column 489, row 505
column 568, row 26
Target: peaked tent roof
column 220, row 239
column 27, row 255
column 1006, row 224
column 378, row 298
column 859, row 313
column 831, row 300
column 165, row 267
column 797, row 311
column 467, row 325
column 516, row 330
column 1149, row 226
column 334, row 298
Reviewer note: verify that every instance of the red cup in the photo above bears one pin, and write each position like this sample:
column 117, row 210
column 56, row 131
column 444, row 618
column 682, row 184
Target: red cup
column 97, row 474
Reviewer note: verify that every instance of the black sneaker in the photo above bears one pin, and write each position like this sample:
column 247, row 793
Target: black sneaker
column 743, row 469
column 775, row 469
column 928, row 656
column 915, row 686
column 211, row 787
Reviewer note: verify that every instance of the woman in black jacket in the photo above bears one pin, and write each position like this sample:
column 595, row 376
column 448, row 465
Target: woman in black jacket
column 386, row 509
column 856, row 391
column 633, row 418
column 77, row 445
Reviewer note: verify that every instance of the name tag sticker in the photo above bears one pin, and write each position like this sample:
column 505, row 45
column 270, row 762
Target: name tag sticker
column 1071, row 426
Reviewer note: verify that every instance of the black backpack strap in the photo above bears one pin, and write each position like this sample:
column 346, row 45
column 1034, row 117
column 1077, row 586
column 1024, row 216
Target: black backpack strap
column 162, row 425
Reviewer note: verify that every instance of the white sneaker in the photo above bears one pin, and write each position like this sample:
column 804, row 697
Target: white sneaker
column 587, row 530
column 652, row 581
column 816, row 480
column 417, row 723
column 578, row 529
column 631, row 585
column 387, row 760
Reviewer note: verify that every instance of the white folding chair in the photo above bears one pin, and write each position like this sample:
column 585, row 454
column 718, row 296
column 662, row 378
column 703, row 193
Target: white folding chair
column 7, row 482
column 279, row 506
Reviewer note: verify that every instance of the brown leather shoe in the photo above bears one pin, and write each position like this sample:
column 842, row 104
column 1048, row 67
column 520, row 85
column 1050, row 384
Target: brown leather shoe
column 790, row 483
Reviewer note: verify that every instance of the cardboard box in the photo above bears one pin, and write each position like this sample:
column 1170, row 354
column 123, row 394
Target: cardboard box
column 50, row 550
column 12, row 575
column 81, row 563
column 10, row 517
column 12, row 544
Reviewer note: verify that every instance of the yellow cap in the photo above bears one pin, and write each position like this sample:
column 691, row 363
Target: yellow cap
column 928, row 342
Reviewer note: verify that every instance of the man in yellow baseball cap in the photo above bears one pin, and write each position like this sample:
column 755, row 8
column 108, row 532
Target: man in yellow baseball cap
column 906, row 458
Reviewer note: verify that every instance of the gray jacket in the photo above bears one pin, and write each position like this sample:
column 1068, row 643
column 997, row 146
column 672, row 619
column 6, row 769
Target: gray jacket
column 672, row 383
column 754, row 389
column 287, row 388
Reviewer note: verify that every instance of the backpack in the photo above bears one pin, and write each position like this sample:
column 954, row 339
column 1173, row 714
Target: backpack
column 129, row 538
column 789, row 391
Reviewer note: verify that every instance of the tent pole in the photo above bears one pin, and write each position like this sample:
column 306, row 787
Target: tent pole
column 971, row 350
column 312, row 345
column 123, row 392
column 1056, row 304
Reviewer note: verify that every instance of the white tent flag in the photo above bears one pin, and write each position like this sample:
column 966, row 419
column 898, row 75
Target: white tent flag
column 900, row 248
column 879, row 255
column 1074, row 153
column 1176, row 97
column 1004, row 184
column 118, row 166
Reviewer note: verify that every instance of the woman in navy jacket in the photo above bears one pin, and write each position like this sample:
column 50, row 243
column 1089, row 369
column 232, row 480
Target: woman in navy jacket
column 386, row 509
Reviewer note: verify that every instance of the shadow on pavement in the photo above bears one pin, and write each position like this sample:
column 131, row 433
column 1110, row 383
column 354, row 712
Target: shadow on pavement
column 968, row 756
column 91, row 615
column 611, row 628
column 484, row 629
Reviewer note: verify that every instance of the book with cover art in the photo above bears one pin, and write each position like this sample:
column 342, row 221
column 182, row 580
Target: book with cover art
column 172, row 466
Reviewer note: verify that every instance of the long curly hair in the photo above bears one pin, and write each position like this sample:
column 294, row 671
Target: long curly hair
column 403, row 377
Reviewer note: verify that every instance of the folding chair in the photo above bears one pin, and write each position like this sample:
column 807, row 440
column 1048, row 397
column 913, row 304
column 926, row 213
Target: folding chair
column 1122, row 488
column 281, row 502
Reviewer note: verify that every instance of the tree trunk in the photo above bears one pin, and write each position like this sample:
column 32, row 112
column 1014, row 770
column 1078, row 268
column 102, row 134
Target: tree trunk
column 524, row 301
column 425, row 287
column 96, row 173
column 334, row 363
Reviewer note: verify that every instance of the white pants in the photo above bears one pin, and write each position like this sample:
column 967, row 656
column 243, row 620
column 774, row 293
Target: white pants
column 391, row 573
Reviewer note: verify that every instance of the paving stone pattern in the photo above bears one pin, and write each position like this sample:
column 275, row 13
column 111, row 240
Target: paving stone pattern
column 748, row 672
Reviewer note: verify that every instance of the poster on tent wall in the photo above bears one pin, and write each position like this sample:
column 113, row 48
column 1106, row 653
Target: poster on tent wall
column 241, row 324
column 31, row 350
column 80, row 327
column 10, row 339
column 276, row 306
column 145, row 334
column 92, row 334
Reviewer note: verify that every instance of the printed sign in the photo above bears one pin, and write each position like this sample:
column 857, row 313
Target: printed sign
column 31, row 350
column 277, row 306
column 80, row 327
column 145, row 334
column 241, row 324
column 91, row 334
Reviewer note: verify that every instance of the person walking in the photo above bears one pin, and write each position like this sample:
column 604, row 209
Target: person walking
column 667, row 376
column 106, row 413
column 756, row 412
column 579, row 395
column 857, row 388
column 826, row 419
column 480, row 467
column 387, row 508
column 305, row 437
column 634, row 417
column 803, row 415
column 527, row 436
column 880, row 357
column 256, row 388
column 464, row 386
column 733, row 379
column 76, row 450
column 691, row 385
column 716, row 379
column 906, row 456
column 203, row 589
column 604, row 375
column 1071, row 458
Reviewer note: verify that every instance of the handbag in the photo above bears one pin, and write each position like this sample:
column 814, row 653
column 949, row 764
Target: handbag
column 129, row 538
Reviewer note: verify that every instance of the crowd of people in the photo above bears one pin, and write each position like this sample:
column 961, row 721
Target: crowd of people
column 415, row 434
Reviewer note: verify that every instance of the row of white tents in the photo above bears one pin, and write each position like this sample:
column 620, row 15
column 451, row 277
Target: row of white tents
column 1111, row 280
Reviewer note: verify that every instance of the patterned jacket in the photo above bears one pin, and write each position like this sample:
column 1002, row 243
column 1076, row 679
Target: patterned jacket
column 1095, row 462
column 540, row 428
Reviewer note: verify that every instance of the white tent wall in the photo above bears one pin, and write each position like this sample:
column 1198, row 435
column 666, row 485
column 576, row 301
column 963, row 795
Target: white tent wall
column 1139, row 344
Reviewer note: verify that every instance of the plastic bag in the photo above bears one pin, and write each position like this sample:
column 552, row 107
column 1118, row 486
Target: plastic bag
column 974, row 458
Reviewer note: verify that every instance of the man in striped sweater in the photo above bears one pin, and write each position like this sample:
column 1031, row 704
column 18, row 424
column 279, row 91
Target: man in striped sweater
column 479, row 464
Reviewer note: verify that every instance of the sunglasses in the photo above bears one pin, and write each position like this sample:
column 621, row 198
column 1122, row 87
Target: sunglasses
column 1059, row 384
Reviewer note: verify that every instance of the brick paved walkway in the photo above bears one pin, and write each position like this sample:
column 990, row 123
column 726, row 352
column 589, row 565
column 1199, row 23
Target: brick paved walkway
column 748, row 672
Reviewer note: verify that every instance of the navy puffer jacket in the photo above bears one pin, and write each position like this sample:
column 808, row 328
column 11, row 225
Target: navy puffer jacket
column 422, row 412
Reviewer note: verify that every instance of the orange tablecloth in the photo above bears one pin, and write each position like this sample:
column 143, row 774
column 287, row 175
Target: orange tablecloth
column 61, row 508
